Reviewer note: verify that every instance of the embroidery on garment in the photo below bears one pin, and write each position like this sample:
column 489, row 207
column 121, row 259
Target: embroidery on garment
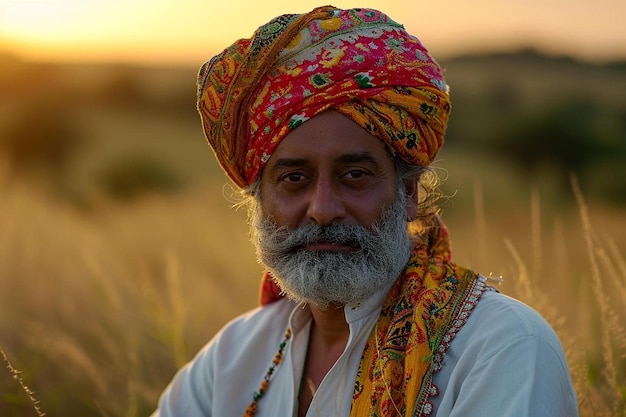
column 426, row 408
column 420, row 316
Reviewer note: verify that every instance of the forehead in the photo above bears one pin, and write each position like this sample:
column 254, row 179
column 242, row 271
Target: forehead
column 330, row 136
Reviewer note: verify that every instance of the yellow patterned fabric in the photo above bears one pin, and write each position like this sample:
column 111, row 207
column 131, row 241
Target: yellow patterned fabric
column 359, row 62
column 419, row 318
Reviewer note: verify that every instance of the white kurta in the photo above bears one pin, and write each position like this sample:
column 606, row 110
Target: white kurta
column 506, row 361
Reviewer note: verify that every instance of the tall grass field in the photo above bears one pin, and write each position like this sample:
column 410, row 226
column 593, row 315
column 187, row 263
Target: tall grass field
column 121, row 254
column 99, row 309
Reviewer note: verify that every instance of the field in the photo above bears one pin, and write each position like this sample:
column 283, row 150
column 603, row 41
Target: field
column 120, row 258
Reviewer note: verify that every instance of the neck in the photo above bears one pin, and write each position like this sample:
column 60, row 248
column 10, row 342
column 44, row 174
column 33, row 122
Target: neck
column 330, row 325
column 329, row 336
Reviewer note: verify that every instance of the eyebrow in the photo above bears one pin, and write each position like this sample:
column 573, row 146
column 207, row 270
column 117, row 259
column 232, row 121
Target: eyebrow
column 288, row 162
column 357, row 157
column 364, row 156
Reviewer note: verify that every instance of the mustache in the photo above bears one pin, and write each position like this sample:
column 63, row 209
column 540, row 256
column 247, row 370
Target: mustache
column 282, row 240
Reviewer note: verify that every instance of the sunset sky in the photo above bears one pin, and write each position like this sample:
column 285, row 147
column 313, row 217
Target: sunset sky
column 190, row 31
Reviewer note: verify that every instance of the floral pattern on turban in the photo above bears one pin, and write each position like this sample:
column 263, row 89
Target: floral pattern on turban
column 358, row 62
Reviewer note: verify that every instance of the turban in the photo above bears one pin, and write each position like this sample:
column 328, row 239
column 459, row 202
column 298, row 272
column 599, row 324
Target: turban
column 358, row 62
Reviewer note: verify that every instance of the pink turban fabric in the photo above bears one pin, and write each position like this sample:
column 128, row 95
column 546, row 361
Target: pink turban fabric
column 358, row 62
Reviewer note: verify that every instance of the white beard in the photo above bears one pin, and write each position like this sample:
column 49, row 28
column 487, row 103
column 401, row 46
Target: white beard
column 323, row 278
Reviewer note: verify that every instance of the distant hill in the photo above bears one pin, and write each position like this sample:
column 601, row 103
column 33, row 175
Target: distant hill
column 542, row 111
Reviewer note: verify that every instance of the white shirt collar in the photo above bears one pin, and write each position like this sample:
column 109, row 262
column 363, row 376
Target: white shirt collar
column 301, row 314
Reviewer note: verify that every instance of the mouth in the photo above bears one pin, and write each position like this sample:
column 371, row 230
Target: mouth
column 326, row 246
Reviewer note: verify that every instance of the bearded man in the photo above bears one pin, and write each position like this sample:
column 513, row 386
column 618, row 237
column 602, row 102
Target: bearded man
column 329, row 121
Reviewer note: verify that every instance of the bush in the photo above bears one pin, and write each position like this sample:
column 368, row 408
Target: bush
column 135, row 175
column 41, row 137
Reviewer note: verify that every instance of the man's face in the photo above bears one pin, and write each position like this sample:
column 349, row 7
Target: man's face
column 329, row 169
column 331, row 224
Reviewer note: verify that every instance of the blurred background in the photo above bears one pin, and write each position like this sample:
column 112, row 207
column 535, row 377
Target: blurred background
column 120, row 253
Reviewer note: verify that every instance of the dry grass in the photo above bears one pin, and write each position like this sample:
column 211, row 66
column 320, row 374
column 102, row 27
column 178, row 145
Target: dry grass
column 99, row 309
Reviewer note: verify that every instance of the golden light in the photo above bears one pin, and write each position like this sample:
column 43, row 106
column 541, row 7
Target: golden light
column 191, row 30
column 41, row 20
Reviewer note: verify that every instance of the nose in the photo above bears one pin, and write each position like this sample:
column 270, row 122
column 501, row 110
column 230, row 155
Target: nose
column 325, row 204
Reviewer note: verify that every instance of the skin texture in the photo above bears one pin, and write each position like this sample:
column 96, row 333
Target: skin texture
column 329, row 169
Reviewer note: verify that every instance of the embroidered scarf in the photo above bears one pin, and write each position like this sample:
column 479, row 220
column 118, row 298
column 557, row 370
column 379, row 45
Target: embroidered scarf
column 421, row 314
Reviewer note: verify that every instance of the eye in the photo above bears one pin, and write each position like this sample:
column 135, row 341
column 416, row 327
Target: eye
column 292, row 177
column 356, row 174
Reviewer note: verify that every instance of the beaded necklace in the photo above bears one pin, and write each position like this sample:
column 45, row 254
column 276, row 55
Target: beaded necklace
column 253, row 407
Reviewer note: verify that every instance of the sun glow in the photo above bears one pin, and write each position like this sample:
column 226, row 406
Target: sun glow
column 43, row 20
column 191, row 30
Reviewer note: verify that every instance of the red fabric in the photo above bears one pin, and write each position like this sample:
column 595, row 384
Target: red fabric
column 358, row 62
column 269, row 291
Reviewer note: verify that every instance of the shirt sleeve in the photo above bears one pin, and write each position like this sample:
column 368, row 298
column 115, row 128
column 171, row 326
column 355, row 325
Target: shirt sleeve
column 505, row 362
column 190, row 392
column 221, row 379
column 526, row 377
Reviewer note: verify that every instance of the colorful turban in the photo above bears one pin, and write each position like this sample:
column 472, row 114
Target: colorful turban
column 358, row 62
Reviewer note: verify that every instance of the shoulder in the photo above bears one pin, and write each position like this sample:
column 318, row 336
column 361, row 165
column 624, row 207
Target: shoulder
column 249, row 331
column 257, row 330
column 503, row 326
column 506, row 336
column 261, row 323
column 205, row 382
column 505, row 318
column 505, row 354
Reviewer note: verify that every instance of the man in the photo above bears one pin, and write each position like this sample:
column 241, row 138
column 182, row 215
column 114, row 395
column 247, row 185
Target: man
column 328, row 121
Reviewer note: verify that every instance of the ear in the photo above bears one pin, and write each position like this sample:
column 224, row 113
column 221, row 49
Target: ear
column 411, row 188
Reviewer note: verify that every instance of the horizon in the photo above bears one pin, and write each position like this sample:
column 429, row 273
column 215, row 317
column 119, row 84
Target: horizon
column 182, row 65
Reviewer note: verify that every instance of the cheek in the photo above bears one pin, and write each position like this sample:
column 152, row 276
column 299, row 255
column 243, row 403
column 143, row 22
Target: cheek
column 284, row 213
column 369, row 208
